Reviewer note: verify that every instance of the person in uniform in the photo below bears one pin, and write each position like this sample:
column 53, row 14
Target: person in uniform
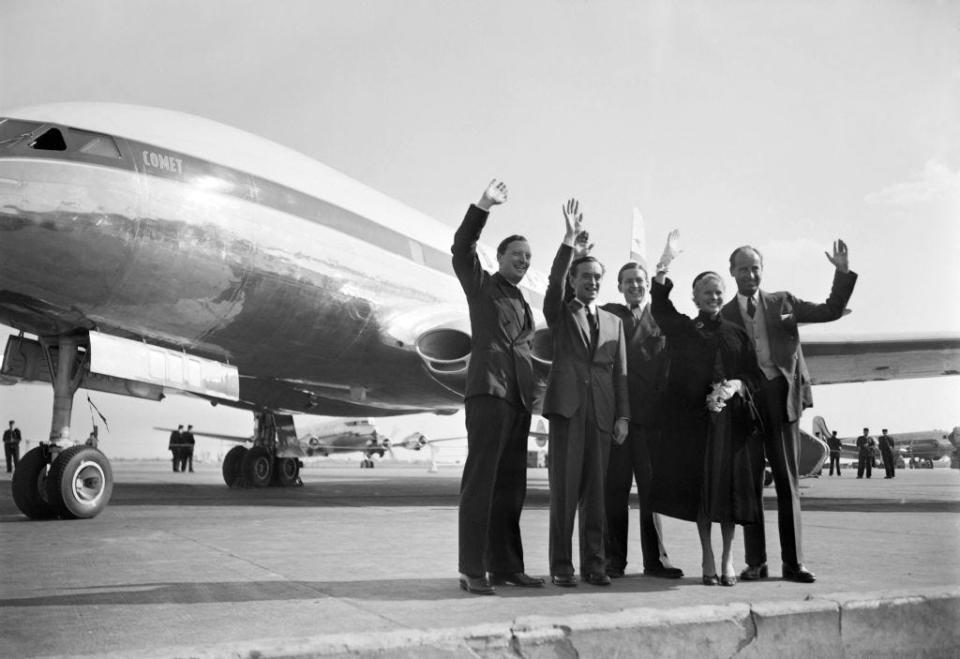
column 865, row 447
column 11, row 446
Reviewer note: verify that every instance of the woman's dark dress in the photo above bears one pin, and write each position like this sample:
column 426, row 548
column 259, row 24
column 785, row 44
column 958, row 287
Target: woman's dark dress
column 702, row 461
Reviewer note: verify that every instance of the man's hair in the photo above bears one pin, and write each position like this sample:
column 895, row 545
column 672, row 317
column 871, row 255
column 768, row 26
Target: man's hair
column 884, row 430
column 502, row 247
column 631, row 265
column 585, row 259
column 865, row 429
column 834, row 433
column 190, row 426
column 180, row 426
column 744, row 248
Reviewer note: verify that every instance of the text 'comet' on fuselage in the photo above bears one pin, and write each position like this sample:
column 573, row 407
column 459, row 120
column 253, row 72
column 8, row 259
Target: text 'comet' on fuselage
column 195, row 236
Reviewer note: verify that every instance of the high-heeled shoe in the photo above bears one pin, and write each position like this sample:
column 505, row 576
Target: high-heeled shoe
column 728, row 581
column 711, row 580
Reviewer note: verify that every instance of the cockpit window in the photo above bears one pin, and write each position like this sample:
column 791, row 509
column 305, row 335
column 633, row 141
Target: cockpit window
column 13, row 129
column 95, row 144
column 52, row 140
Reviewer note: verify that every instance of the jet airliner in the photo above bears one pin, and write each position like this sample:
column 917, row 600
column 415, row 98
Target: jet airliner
column 147, row 252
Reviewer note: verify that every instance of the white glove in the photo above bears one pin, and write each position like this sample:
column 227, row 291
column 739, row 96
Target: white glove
column 728, row 389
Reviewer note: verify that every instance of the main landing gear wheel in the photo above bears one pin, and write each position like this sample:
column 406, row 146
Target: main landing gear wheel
column 257, row 467
column 231, row 465
column 30, row 486
column 287, row 472
column 80, row 482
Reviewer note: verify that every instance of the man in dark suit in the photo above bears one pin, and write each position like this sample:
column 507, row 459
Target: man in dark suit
column 186, row 458
column 175, row 446
column 865, row 446
column 587, row 404
column 834, row 443
column 887, row 451
column 771, row 320
column 11, row 446
column 498, row 402
column 646, row 374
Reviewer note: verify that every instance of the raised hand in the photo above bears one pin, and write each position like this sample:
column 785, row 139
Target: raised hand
column 496, row 193
column 574, row 219
column 582, row 245
column 840, row 259
column 670, row 250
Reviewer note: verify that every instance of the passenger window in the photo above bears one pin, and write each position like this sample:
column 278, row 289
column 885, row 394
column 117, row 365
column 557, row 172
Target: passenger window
column 52, row 140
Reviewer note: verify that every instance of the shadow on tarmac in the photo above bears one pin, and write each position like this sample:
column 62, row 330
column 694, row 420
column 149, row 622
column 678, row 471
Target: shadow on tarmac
column 426, row 494
column 404, row 590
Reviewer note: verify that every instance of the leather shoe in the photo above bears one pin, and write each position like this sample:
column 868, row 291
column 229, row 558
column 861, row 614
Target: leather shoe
column 521, row 579
column 799, row 574
column 564, row 580
column 615, row 572
column 597, row 579
column 728, row 581
column 711, row 580
column 754, row 572
column 476, row 585
column 663, row 572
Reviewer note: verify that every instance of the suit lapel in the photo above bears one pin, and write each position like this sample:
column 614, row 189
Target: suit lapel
column 521, row 321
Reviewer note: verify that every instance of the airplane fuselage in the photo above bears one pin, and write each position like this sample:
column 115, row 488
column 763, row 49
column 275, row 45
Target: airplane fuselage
column 317, row 304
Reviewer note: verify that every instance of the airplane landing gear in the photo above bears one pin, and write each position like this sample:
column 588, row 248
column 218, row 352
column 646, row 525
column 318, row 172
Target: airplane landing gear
column 30, row 484
column 259, row 465
column 80, row 482
column 75, row 482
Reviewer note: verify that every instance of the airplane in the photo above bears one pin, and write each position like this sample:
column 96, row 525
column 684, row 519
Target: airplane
column 927, row 446
column 147, row 252
column 346, row 435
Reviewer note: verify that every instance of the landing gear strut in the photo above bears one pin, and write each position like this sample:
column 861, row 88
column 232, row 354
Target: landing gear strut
column 73, row 482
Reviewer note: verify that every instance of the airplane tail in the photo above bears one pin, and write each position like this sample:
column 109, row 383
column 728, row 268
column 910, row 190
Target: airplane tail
column 820, row 426
column 638, row 239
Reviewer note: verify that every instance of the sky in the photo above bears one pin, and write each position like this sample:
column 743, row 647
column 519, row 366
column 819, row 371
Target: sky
column 781, row 124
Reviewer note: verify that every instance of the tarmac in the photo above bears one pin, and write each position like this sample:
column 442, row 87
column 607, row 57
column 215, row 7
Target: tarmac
column 362, row 562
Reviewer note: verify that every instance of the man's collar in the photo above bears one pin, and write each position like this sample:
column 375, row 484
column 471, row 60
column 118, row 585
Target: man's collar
column 742, row 300
column 641, row 305
column 592, row 305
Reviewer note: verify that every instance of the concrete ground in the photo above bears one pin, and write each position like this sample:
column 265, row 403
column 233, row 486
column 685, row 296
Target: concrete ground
column 363, row 562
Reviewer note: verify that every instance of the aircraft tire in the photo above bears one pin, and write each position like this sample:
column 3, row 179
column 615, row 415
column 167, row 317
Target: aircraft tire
column 80, row 482
column 29, row 486
column 257, row 467
column 231, row 465
column 286, row 472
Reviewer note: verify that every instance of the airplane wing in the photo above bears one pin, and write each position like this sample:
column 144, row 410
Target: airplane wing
column 870, row 359
column 212, row 435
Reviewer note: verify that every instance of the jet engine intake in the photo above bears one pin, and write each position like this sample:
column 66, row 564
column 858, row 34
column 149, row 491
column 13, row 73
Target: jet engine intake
column 445, row 351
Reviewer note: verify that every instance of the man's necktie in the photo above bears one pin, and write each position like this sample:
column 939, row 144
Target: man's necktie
column 594, row 328
column 635, row 309
column 751, row 307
